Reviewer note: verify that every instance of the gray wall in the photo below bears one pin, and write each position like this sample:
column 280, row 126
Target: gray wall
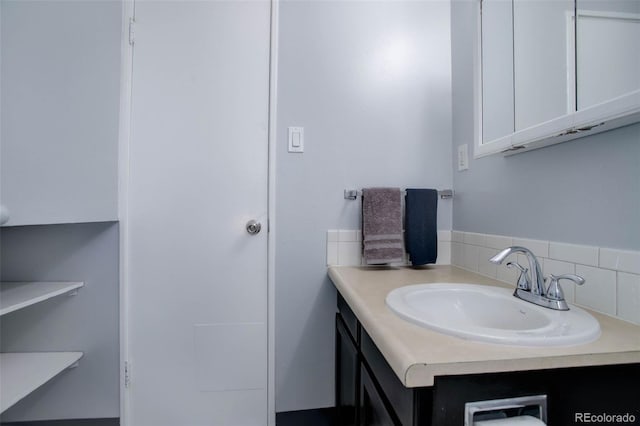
column 60, row 110
column 88, row 322
column 370, row 83
column 586, row 191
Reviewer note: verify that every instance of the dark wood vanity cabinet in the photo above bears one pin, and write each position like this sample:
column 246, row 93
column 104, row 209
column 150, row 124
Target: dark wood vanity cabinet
column 347, row 375
column 373, row 410
column 368, row 392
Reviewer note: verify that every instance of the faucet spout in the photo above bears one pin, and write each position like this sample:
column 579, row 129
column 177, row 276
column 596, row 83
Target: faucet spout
column 500, row 257
column 537, row 279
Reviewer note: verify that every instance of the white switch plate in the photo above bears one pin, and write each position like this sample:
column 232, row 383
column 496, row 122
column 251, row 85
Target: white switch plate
column 296, row 139
column 463, row 157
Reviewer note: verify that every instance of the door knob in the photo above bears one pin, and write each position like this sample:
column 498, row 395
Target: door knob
column 253, row 227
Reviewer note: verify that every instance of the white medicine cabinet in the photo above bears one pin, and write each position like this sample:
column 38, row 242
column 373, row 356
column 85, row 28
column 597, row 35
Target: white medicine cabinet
column 550, row 71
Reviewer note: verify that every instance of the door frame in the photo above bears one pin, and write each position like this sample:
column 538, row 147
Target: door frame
column 271, row 213
column 124, row 138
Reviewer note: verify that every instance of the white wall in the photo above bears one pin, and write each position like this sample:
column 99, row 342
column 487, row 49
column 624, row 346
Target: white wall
column 371, row 84
column 59, row 99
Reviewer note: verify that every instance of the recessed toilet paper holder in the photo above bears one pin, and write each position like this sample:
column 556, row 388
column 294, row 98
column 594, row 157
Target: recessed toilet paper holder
column 531, row 403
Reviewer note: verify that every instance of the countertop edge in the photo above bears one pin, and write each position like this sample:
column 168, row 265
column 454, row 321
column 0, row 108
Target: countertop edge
column 419, row 374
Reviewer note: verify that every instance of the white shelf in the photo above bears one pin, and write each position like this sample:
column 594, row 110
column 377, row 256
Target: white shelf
column 22, row 373
column 18, row 295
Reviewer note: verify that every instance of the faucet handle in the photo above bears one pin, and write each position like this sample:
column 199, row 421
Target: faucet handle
column 523, row 280
column 554, row 291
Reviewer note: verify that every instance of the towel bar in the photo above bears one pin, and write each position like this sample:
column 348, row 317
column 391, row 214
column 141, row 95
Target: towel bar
column 352, row 194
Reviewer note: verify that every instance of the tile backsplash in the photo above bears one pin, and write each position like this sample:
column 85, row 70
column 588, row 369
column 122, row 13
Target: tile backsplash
column 344, row 247
column 612, row 276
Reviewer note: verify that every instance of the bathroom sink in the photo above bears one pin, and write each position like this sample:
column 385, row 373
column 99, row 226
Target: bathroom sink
column 491, row 314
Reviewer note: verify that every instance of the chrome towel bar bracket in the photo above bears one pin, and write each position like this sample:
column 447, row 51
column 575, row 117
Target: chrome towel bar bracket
column 353, row 194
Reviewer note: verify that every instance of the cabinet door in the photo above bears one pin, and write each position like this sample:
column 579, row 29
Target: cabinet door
column 347, row 376
column 607, row 54
column 373, row 411
column 60, row 104
column 542, row 61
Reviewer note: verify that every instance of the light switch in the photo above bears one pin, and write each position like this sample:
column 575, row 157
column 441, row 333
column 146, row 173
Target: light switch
column 296, row 139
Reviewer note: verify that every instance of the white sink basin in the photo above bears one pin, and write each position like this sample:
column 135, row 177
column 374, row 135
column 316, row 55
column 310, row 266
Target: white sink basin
column 491, row 314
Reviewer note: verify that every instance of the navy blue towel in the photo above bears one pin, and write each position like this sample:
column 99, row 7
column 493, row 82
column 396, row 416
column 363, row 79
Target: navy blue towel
column 421, row 234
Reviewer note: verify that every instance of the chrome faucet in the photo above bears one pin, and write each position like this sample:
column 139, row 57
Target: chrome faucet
column 535, row 282
column 531, row 282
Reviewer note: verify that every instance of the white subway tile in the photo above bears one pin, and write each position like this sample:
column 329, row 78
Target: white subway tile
column 558, row 267
column 359, row 235
column 507, row 275
column 332, row 235
column 498, row 242
column 583, row 255
column 486, row 254
column 485, row 267
column 347, row 235
column 332, row 253
column 350, row 253
column 457, row 254
column 510, row 275
column 470, row 255
column 599, row 290
column 474, row 239
column 444, row 253
column 629, row 297
column 457, row 236
column 620, row 260
column 444, row 235
column 538, row 247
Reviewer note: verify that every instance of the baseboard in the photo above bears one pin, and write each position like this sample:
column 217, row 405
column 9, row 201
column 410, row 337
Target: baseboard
column 70, row 422
column 315, row 417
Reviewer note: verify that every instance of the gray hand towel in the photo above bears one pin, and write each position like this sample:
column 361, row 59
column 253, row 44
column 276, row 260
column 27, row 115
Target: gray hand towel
column 382, row 225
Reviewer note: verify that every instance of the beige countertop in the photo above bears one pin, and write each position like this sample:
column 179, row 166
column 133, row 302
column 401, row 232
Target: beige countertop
column 418, row 354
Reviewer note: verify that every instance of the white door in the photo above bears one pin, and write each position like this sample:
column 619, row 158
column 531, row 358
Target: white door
column 197, row 280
